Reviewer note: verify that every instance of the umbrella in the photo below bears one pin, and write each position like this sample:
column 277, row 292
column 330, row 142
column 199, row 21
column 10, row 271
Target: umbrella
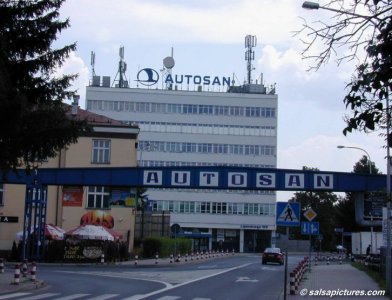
column 93, row 232
column 51, row 231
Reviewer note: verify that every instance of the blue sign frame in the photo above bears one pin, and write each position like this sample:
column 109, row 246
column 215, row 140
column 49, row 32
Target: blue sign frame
column 222, row 177
column 288, row 214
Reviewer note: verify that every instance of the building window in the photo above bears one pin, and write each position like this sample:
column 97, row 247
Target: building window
column 98, row 197
column 1, row 194
column 101, row 152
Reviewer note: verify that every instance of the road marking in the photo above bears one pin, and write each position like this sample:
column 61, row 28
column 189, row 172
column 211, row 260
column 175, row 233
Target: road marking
column 103, row 297
column 13, row 295
column 269, row 269
column 139, row 297
column 73, row 296
column 42, row 296
column 207, row 267
column 246, row 279
column 168, row 298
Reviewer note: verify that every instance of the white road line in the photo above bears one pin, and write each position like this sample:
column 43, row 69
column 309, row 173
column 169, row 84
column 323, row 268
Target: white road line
column 103, row 297
column 73, row 296
column 14, row 295
column 168, row 298
column 137, row 297
column 41, row 296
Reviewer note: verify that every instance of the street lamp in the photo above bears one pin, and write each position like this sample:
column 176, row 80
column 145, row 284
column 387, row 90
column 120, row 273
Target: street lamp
column 369, row 160
column 388, row 260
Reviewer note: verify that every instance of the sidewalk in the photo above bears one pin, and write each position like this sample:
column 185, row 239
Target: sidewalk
column 335, row 278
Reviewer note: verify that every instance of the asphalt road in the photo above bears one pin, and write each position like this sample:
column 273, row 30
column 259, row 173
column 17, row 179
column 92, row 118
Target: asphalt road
column 236, row 277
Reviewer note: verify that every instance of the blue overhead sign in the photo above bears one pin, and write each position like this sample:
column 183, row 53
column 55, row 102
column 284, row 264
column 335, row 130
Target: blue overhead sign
column 222, row 177
column 310, row 228
column 288, row 214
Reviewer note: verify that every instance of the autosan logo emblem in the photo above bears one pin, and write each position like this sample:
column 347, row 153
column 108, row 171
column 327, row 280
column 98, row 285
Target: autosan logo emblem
column 147, row 76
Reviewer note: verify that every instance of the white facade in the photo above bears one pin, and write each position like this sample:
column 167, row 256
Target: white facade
column 185, row 128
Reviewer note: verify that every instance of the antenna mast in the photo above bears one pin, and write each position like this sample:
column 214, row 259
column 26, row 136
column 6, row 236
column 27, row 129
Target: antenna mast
column 250, row 42
column 168, row 64
column 92, row 63
column 122, row 67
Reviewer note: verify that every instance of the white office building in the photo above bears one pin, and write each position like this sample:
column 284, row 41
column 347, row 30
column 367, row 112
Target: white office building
column 202, row 128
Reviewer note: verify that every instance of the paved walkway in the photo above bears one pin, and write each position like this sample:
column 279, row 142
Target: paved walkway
column 326, row 280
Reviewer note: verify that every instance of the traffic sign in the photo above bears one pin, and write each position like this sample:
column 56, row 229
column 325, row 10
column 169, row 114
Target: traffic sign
column 310, row 214
column 310, row 228
column 288, row 213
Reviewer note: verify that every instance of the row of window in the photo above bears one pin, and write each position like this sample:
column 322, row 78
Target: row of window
column 187, row 109
column 210, row 148
column 205, row 207
column 164, row 163
column 101, row 151
column 208, row 129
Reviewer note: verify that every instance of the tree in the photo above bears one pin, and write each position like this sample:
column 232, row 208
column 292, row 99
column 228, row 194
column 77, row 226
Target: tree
column 34, row 124
column 358, row 24
column 323, row 204
column 345, row 208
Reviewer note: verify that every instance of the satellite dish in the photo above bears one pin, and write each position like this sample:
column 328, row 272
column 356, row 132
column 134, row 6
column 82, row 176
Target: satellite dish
column 168, row 62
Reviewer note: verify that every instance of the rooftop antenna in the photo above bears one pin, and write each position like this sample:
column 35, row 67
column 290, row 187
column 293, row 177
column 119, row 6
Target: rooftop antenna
column 168, row 64
column 122, row 67
column 250, row 42
column 92, row 60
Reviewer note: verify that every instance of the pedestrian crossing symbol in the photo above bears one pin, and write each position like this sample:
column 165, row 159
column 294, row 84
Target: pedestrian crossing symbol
column 287, row 214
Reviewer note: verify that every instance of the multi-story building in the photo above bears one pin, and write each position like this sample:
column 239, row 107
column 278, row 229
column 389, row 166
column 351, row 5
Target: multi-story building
column 110, row 144
column 201, row 128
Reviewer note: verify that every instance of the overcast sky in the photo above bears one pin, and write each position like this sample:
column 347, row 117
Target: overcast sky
column 207, row 37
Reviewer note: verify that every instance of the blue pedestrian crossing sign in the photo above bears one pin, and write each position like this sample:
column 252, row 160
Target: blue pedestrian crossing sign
column 310, row 228
column 288, row 213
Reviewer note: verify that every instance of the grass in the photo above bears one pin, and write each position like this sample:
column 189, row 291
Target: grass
column 374, row 274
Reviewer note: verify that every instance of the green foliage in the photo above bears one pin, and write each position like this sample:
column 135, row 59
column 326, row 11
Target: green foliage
column 165, row 246
column 151, row 246
column 323, row 204
column 33, row 121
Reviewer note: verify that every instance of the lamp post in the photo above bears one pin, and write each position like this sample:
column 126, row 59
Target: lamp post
column 369, row 159
column 388, row 258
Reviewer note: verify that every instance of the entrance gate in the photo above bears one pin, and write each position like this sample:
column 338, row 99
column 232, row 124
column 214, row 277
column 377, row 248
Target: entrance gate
column 222, row 177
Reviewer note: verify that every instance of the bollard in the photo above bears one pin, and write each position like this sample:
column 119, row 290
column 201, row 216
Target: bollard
column 156, row 258
column 17, row 274
column 178, row 258
column 136, row 259
column 171, row 258
column 24, row 268
column 192, row 256
column 186, row 257
column 227, row 252
column 340, row 260
column 233, row 251
column 102, row 258
column 292, row 283
column 33, row 270
column 1, row 265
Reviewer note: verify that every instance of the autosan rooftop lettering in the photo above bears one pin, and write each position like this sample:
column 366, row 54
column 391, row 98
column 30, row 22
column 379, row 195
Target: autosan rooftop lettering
column 197, row 80
column 241, row 179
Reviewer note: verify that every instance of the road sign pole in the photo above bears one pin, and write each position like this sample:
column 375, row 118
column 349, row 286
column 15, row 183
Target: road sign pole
column 285, row 276
column 310, row 252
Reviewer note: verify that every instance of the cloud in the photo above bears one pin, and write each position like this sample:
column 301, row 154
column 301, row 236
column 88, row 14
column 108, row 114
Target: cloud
column 75, row 65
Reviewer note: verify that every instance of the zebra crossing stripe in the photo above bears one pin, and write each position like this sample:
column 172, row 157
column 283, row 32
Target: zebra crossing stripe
column 103, row 297
column 41, row 296
column 14, row 295
column 73, row 296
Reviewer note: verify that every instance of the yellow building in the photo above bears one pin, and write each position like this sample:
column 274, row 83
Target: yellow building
column 111, row 144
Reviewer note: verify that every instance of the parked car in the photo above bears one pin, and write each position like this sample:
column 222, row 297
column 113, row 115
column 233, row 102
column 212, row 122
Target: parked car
column 340, row 249
column 272, row 255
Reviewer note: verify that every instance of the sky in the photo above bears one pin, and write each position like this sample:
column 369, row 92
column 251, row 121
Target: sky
column 207, row 38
